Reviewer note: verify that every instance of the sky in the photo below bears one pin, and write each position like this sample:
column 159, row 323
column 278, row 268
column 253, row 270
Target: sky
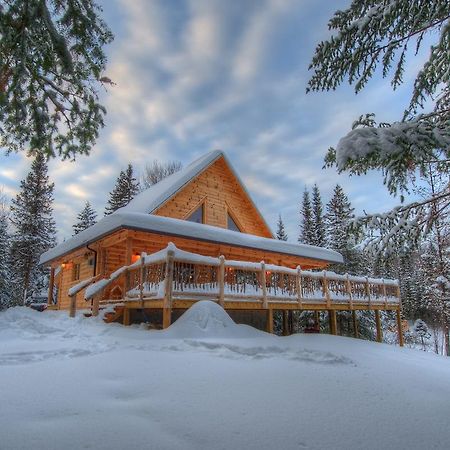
column 195, row 76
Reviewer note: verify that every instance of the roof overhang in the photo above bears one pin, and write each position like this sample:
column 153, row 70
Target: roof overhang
column 185, row 229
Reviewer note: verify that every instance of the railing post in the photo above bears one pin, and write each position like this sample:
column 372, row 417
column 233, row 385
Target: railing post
column 326, row 292
column 73, row 305
column 378, row 324
column 263, row 285
column 167, row 302
column 221, row 280
column 299, row 285
column 127, row 285
column 367, row 289
column 348, row 285
column 141, row 280
column 384, row 294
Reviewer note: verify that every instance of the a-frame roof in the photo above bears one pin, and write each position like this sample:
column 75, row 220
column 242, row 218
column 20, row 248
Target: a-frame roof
column 155, row 196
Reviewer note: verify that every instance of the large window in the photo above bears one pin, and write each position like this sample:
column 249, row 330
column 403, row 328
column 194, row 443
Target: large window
column 198, row 215
column 231, row 224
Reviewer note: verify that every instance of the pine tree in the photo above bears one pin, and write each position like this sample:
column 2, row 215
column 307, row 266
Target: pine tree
column 339, row 234
column 86, row 218
column 421, row 331
column 34, row 231
column 318, row 221
column 306, row 225
column 5, row 268
column 364, row 36
column 281, row 232
column 125, row 189
column 51, row 67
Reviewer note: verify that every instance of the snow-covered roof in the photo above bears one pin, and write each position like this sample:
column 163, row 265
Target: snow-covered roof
column 176, row 227
column 149, row 200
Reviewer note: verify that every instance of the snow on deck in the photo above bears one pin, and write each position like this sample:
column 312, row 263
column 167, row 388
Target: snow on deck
column 79, row 383
column 184, row 228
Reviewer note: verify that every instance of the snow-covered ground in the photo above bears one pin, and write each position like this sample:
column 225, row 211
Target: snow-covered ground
column 207, row 383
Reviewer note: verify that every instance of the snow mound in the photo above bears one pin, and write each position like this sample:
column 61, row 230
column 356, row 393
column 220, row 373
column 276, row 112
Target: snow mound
column 206, row 319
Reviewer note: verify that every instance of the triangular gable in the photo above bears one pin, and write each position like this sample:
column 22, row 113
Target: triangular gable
column 212, row 181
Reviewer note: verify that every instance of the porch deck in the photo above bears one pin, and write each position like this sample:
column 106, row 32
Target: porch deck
column 175, row 279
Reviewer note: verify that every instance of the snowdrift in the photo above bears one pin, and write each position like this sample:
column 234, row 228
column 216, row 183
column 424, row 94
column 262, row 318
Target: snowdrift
column 208, row 320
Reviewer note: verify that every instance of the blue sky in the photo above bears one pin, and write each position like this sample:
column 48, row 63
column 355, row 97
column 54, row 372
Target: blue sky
column 193, row 76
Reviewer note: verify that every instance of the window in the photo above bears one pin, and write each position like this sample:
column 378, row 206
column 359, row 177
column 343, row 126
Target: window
column 76, row 272
column 231, row 224
column 198, row 215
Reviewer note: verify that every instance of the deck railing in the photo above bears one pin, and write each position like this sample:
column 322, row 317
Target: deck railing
column 173, row 274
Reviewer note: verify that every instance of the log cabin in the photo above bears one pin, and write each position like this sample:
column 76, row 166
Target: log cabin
column 198, row 234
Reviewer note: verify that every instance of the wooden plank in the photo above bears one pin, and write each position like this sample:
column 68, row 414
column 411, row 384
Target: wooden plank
column 333, row 321
column 126, row 316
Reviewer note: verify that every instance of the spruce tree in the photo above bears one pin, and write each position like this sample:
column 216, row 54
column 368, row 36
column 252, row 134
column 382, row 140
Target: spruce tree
column 281, row 232
column 86, row 218
column 34, row 231
column 306, row 224
column 5, row 267
column 421, row 331
column 318, row 221
column 125, row 189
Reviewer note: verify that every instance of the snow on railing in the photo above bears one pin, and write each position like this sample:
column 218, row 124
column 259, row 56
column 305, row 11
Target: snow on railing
column 172, row 273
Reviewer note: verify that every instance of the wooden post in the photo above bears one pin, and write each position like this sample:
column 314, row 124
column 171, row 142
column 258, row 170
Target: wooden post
column 127, row 285
column 263, row 285
column 141, row 280
column 317, row 319
column 348, row 286
column 51, row 285
column 167, row 303
column 269, row 325
column 126, row 316
column 367, row 289
column 299, row 286
column 285, row 322
column 96, row 304
column 221, row 280
column 384, row 294
column 73, row 305
column 355, row 324
column 326, row 293
column 333, row 323
column 378, row 323
column 399, row 328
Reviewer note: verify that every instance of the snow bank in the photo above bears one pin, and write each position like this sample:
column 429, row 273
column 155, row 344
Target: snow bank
column 206, row 319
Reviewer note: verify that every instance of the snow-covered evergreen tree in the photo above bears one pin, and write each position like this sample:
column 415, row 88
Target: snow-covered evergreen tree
column 86, row 218
column 5, row 268
column 306, row 220
column 375, row 33
column 319, row 238
column 125, row 189
column 34, row 231
column 421, row 331
column 281, row 232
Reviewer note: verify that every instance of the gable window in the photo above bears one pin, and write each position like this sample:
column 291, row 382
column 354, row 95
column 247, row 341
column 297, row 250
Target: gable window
column 198, row 215
column 76, row 272
column 231, row 224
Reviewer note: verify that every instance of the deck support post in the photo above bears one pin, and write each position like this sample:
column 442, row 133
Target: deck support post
column 167, row 303
column 355, row 324
column 96, row 305
column 399, row 328
column 221, row 279
column 51, row 286
column 285, row 322
column 378, row 324
column 73, row 305
column 269, row 324
column 333, row 323
column 317, row 319
column 126, row 316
